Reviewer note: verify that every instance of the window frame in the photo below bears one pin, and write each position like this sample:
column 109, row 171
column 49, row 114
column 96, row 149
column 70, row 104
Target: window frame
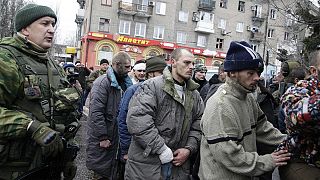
column 106, row 2
column 219, row 43
column 183, row 16
column 106, row 25
column 222, row 24
column 129, row 27
column 273, row 13
column 156, row 31
column 242, row 7
column 181, row 37
column 237, row 27
column 270, row 33
column 199, row 40
column 144, row 30
column 159, row 6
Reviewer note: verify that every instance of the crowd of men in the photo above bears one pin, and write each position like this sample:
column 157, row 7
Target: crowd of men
column 157, row 119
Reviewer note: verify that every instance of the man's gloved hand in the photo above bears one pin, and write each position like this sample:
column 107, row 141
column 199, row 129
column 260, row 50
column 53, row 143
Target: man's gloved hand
column 69, row 170
column 166, row 155
column 47, row 138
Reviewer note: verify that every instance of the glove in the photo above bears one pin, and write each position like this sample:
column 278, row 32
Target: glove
column 166, row 155
column 47, row 138
column 69, row 170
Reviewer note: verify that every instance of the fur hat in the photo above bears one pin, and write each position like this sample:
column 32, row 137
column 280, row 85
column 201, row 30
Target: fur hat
column 30, row 13
column 241, row 56
column 155, row 64
column 200, row 67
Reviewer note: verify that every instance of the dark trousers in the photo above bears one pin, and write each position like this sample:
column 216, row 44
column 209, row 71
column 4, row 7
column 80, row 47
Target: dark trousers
column 299, row 171
column 84, row 96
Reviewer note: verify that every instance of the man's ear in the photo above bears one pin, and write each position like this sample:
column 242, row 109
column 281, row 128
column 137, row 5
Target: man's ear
column 313, row 71
column 173, row 61
column 25, row 31
column 233, row 74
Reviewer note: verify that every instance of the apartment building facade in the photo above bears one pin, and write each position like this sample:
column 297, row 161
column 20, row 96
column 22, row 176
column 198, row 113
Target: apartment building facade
column 145, row 28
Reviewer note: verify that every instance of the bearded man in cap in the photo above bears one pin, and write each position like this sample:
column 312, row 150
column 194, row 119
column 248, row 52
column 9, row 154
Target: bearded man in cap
column 232, row 123
column 37, row 103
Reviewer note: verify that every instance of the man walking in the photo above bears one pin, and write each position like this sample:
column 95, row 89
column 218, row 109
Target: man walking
column 163, row 119
column 102, row 149
column 37, row 103
column 233, row 122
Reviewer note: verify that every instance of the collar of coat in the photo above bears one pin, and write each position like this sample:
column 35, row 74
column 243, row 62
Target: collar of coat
column 236, row 89
column 114, row 82
column 169, row 84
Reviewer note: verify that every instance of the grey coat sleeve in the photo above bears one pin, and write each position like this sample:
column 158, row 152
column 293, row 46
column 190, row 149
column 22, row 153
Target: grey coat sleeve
column 97, row 111
column 140, row 119
column 194, row 136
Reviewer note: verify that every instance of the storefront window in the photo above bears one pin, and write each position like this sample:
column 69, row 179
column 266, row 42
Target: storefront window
column 105, row 52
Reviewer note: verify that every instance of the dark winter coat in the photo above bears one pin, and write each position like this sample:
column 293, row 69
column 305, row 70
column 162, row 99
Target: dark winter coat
column 158, row 116
column 205, row 89
column 102, row 124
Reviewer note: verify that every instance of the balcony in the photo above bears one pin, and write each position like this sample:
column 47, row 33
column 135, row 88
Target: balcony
column 258, row 19
column 207, row 5
column 135, row 9
column 79, row 16
column 257, row 36
column 204, row 27
column 81, row 3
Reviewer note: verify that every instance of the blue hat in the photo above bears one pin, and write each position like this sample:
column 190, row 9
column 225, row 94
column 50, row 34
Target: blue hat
column 241, row 56
column 68, row 65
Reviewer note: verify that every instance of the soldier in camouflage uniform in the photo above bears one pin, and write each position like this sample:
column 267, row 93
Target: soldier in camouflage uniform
column 38, row 120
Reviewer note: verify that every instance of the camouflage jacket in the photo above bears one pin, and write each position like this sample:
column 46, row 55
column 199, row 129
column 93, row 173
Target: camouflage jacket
column 24, row 86
column 93, row 76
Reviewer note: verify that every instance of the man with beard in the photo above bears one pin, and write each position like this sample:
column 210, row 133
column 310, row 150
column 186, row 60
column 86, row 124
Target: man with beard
column 233, row 122
column 163, row 118
column 106, row 92
column 199, row 76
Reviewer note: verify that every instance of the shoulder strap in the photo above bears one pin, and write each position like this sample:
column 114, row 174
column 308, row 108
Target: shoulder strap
column 17, row 55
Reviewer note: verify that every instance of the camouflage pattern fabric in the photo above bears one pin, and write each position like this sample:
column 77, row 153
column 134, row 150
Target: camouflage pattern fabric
column 301, row 104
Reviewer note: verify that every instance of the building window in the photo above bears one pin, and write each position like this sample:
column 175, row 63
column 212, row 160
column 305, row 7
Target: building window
column 181, row 37
column 142, row 6
column 273, row 14
column 289, row 20
column 104, row 24
column 286, row 36
column 140, row 30
column 161, row 8
column 158, row 32
column 222, row 24
column 206, row 17
column 241, row 6
column 255, row 47
column 183, row 16
column 223, row 3
column 240, row 26
column 202, row 41
column 124, row 27
column 219, row 44
column 257, row 11
column 106, row 2
column 270, row 33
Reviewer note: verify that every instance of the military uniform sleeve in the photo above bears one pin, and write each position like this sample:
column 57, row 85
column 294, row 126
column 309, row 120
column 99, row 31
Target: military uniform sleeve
column 221, row 133
column 93, row 76
column 13, row 124
column 140, row 119
column 195, row 131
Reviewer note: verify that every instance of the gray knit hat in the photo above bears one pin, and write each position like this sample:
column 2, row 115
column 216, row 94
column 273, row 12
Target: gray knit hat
column 156, row 63
column 30, row 13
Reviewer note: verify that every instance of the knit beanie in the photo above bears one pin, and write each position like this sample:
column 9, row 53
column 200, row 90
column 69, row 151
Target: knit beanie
column 30, row 13
column 155, row 63
column 104, row 61
column 241, row 56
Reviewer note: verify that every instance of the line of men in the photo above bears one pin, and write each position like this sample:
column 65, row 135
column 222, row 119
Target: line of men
column 165, row 120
